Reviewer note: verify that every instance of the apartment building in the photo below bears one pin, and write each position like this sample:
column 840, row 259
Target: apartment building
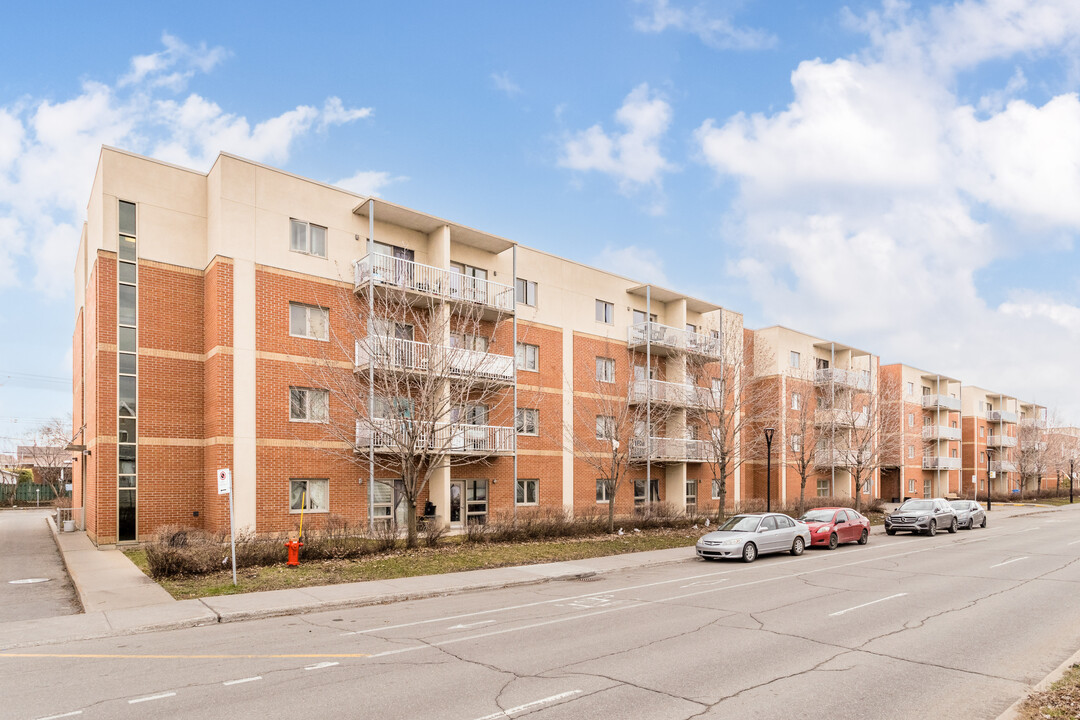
column 295, row 333
column 821, row 399
column 989, row 423
column 923, row 458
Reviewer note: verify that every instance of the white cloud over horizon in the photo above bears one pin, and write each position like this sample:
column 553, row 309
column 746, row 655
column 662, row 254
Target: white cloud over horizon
column 716, row 31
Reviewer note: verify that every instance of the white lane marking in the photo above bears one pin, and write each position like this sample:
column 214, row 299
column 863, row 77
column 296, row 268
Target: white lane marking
column 590, row 602
column 464, row 626
column 704, row 582
column 242, row 680
column 320, row 666
column 872, row 602
column 1026, row 530
column 1009, row 561
column 148, row 698
column 27, row 581
column 529, row 705
column 508, row 608
column 1074, row 542
column 62, row 715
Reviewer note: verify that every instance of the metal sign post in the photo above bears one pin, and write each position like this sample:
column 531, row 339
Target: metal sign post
column 224, row 487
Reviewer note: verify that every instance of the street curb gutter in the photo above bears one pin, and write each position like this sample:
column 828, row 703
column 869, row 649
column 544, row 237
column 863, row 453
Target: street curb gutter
column 1014, row 710
column 63, row 557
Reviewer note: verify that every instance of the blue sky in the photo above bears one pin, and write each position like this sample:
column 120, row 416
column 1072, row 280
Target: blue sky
column 901, row 177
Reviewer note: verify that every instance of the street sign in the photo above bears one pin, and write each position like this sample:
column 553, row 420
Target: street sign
column 224, row 481
column 993, row 474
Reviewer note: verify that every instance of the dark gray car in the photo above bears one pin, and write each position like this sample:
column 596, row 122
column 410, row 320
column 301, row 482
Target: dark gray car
column 969, row 513
column 922, row 516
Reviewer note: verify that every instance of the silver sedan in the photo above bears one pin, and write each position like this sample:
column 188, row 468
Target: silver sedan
column 969, row 513
column 748, row 535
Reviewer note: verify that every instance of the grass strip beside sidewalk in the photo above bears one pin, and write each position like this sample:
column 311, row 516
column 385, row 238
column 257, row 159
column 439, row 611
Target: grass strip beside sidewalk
column 1062, row 700
column 451, row 556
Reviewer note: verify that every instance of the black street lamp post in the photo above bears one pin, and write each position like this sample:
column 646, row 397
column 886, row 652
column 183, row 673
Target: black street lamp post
column 768, row 469
column 1070, row 481
column 989, row 473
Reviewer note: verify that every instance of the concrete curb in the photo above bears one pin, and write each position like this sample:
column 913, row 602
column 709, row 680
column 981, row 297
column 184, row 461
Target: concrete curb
column 1013, row 711
column 64, row 558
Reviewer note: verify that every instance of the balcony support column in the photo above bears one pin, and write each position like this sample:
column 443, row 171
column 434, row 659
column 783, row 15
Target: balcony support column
column 675, row 485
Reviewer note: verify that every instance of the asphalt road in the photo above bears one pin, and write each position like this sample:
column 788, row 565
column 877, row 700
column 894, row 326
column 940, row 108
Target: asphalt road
column 28, row 553
column 955, row 626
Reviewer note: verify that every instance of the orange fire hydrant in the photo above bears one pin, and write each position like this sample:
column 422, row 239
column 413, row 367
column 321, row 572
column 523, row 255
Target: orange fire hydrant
column 294, row 552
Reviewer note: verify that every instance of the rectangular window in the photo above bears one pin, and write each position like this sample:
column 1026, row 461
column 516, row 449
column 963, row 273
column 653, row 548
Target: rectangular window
column 639, row 317
column 127, row 217
column 605, row 427
column 126, row 454
column 383, row 507
column 982, row 458
column 127, row 339
column 126, row 432
column 793, row 359
column 605, row 370
column 796, row 443
column 794, row 401
column 925, row 390
column 127, row 363
column 526, row 292
column 126, row 312
column 309, row 321
column 476, row 414
column 307, row 238
column 926, row 421
column 528, row 357
column 911, row 419
column 911, row 485
column 128, row 273
column 691, row 328
column 715, row 489
column 602, row 495
column 823, row 488
column 927, row 491
column 639, row 491
column 982, row 432
column 527, row 492
column 309, row 405
column 528, row 421
column 309, row 495
column 911, row 388
column 125, row 393
column 691, row 494
column 605, row 312
column 911, row 451
column 952, row 453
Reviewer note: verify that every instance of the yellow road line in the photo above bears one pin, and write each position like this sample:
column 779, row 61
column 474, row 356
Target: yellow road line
column 105, row 656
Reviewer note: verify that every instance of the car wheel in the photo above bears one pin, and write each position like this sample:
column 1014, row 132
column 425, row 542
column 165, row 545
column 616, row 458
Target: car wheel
column 833, row 541
column 932, row 530
column 890, row 531
column 954, row 526
column 749, row 552
column 983, row 523
column 864, row 537
column 798, row 546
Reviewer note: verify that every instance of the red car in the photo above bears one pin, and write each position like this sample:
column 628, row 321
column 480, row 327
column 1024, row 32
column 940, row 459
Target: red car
column 832, row 526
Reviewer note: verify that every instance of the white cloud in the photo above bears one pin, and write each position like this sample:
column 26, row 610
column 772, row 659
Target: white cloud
column 717, row 32
column 636, row 263
column 504, row 84
column 632, row 157
column 369, row 182
column 870, row 206
column 49, row 149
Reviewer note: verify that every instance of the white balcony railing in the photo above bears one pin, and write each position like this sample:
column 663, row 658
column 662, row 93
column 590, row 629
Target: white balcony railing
column 440, row 282
column 854, row 379
column 825, row 457
column 1001, row 416
column 453, row 438
column 932, row 402
column 670, row 449
column 1002, row 466
column 936, row 462
column 1000, row 441
column 413, row 356
column 669, row 393
column 940, row 432
column 843, row 418
column 1033, row 423
column 672, row 338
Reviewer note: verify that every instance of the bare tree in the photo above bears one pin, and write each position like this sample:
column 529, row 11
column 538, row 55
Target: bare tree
column 428, row 380
column 1033, row 457
column 735, row 400
column 46, row 454
column 804, row 426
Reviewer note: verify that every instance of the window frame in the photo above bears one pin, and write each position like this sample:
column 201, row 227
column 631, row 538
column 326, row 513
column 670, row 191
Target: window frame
column 796, row 400
column 606, row 429
column 822, row 488
column 605, row 369
column 521, row 357
column 521, row 492
column 602, row 495
column 307, row 321
column 522, row 292
column 794, row 359
column 307, row 498
column 605, row 312
column 521, row 424
column 309, row 417
column 307, row 249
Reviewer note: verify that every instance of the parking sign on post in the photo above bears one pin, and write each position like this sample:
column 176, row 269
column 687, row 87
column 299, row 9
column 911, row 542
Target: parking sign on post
column 224, row 487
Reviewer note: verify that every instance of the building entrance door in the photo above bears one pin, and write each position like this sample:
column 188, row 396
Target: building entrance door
column 457, row 496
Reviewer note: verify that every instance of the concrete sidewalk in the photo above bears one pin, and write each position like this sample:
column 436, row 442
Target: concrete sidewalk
column 120, row 600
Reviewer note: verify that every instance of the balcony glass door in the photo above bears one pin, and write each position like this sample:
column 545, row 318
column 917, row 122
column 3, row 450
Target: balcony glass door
column 457, row 494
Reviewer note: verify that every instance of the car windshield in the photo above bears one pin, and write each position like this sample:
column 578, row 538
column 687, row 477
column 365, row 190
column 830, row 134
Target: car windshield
column 916, row 506
column 818, row 516
column 740, row 523
column 960, row 505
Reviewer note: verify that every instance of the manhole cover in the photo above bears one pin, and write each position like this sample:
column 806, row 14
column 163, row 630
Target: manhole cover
column 27, row 581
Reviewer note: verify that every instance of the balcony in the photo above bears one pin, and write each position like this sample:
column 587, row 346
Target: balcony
column 666, row 340
column 662, row 449
column 1037, row 423
column 842, row 418
column 825, row 457
column 940, row 432
column 936, row 462
column 1000, row 441
column 853, row 379
column 426, row 281
column 944, row 402
column 1001, row 416
column 411, row 356
column 452, row 438
column 673, row 394
column 1002, row 466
